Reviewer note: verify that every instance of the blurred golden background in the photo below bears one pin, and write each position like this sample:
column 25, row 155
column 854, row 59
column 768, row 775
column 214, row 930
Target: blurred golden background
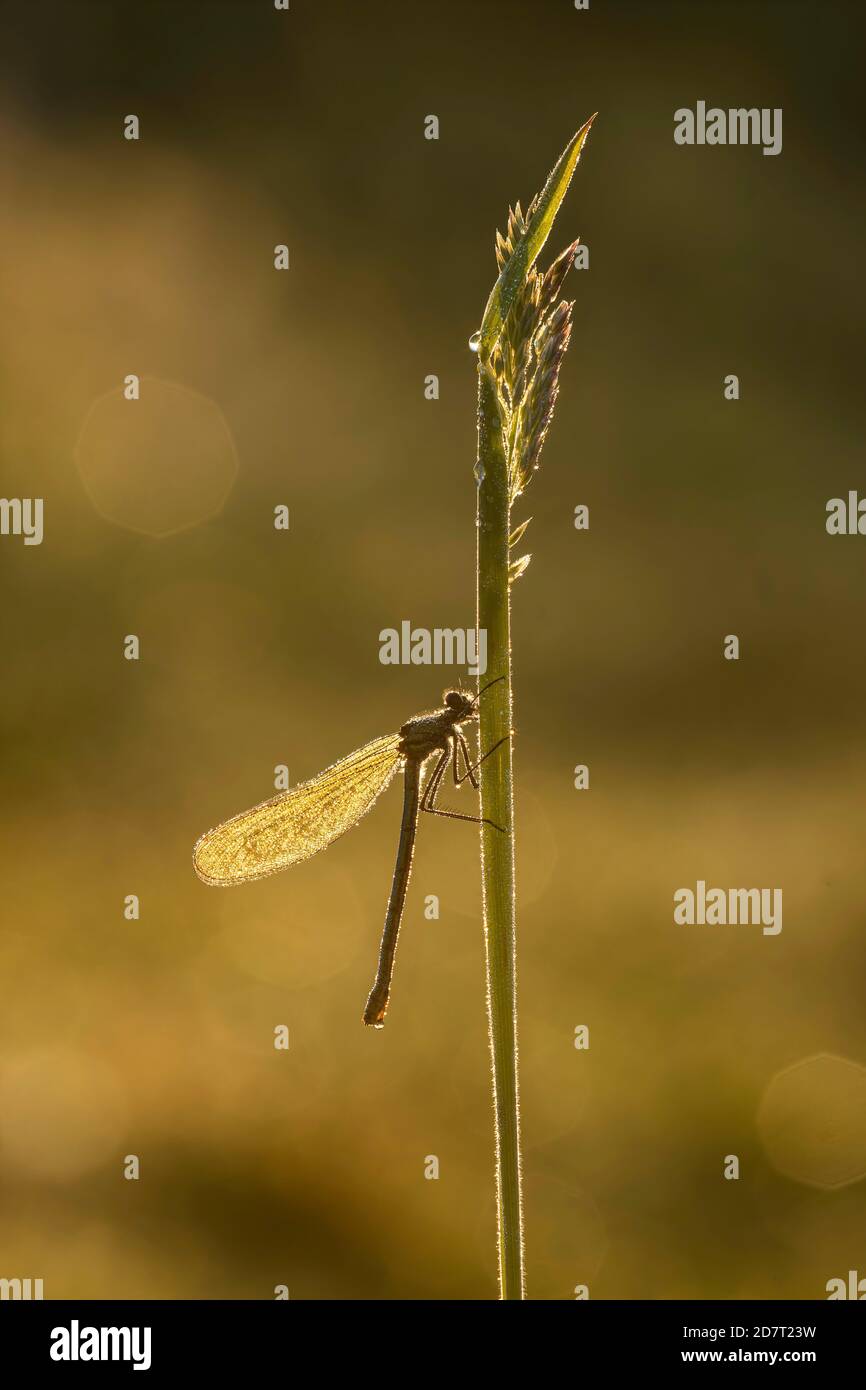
column 260, row 647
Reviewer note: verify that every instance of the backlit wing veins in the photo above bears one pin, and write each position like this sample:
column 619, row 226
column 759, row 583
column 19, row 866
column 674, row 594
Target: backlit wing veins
column 297, row 823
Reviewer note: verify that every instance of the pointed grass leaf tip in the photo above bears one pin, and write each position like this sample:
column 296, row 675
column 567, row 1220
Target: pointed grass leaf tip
column 528, row 236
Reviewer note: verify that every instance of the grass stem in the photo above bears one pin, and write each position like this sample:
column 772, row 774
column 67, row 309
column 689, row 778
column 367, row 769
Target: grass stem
column 497, row 848
column 521, row 344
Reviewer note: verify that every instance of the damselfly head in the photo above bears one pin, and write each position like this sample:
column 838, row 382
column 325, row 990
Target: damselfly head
column 462, row 704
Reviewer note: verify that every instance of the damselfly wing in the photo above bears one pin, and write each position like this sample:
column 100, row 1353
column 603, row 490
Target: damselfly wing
column 299, row 822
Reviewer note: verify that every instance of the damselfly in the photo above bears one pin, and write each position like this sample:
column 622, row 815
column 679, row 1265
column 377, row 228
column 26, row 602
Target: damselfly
column 298, row 823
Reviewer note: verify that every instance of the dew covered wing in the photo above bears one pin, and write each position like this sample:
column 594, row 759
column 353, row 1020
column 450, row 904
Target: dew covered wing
column 297, row 823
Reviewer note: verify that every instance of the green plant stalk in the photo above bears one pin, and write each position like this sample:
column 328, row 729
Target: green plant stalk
column 497, row 848
column 522, row 310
